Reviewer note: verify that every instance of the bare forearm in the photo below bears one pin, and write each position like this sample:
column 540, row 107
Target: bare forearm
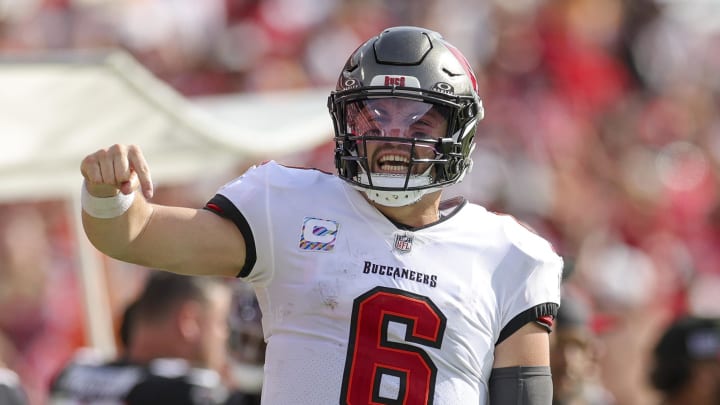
column 115, row 236
column 120, row 222
column 115, row 212
column 181, row 240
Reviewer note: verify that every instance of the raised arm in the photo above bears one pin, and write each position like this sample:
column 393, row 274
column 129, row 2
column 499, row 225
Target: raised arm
column 177, row 239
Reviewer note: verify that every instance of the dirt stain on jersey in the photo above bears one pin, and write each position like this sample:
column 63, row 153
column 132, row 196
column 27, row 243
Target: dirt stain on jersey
column 329, row 294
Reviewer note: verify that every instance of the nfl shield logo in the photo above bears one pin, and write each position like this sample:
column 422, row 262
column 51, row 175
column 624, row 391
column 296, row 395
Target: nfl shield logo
column 403, row 242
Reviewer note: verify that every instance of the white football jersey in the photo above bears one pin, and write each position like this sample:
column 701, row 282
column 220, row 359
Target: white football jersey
column 357, row 310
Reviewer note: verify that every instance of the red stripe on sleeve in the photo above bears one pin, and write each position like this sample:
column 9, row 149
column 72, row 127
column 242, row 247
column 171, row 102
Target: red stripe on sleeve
column 548, row 320
column 214, row 207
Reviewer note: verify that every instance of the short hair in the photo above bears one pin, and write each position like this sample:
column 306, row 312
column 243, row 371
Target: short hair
column 688, row 340
column 164, row 292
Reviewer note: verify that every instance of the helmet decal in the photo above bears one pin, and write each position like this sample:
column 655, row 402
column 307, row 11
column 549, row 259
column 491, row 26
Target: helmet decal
column 395, row 80
column 350, row 84
column 442, row 87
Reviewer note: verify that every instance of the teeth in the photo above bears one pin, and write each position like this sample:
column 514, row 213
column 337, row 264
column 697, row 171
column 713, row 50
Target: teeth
column 394, row 163
column 393, row 168
column 394, row 159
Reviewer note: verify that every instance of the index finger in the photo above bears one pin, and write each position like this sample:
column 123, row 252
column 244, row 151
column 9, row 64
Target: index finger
column 140, row 167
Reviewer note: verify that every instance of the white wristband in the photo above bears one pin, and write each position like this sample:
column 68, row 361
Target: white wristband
column 105, row 207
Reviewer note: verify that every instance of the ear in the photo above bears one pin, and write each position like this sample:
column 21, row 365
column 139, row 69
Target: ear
column 188, row 320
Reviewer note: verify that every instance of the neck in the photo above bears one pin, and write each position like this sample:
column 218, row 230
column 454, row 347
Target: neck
column 424, row 212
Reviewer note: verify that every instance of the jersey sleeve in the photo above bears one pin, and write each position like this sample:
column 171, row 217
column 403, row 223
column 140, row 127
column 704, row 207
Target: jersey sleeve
column 222, row 206
column 528, row 282
column 245, row 201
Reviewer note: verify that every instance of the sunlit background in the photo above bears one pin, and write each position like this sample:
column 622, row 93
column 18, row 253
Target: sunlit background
column 602, row 132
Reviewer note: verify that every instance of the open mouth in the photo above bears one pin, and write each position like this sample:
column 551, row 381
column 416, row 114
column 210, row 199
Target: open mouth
column 393, row 163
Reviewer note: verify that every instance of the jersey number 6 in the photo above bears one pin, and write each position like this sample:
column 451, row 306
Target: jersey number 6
column 373, row 361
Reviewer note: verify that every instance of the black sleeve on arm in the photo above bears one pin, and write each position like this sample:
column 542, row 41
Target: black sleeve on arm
column 521, row 386
column 531, row 315
column 220, row 205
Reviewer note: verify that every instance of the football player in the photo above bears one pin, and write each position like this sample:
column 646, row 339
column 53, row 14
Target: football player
column 373, row 289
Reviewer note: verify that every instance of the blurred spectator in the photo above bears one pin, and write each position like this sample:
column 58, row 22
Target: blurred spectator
column 247, row 342
column 176, row 334
column 574, row 351
column 11, row 389
column 40, row 299
column 11, row 392
column 686, row 366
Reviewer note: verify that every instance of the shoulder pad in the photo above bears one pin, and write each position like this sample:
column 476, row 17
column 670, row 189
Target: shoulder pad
column 526, row 240
column 276, row 175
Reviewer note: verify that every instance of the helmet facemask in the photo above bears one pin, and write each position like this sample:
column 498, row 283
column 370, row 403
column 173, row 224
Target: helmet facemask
column 393, row 145
column 405, row 114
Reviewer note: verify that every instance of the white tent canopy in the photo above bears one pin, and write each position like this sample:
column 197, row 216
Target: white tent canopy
column 55, row 109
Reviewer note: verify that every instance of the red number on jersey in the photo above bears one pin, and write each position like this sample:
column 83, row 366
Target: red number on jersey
column 372, row 357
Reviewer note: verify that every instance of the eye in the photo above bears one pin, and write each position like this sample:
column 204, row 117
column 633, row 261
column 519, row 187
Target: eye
column 423, row 129
column 426, row 123
column 372, row 132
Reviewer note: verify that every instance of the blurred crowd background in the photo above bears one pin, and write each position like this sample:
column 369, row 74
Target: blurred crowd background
column 602, row 132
